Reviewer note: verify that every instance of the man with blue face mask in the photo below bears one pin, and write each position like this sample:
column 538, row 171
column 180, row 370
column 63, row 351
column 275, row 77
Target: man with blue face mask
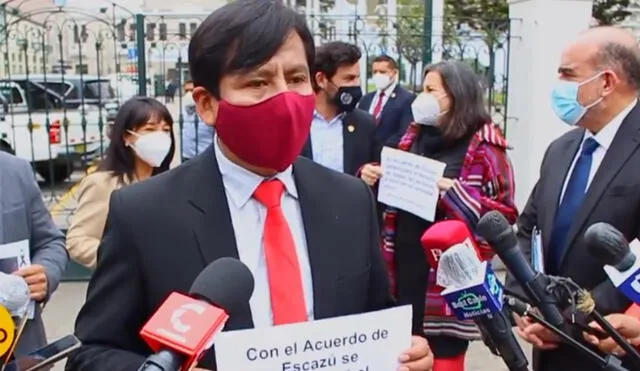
column 588, row 175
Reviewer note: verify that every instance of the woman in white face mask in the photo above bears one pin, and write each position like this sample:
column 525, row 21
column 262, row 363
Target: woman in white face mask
column 142, row 145
column 450, row 124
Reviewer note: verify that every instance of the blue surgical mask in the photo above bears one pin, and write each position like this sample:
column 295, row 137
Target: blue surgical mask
column 564, row 100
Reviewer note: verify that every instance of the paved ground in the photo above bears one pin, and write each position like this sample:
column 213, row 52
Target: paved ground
column 62, row 309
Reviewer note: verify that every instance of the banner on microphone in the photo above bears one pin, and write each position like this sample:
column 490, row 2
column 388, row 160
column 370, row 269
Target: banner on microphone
column 410, row 182
column 365, row 342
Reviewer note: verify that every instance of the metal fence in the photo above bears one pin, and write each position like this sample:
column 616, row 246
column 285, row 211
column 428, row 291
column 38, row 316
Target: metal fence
column 65, row 71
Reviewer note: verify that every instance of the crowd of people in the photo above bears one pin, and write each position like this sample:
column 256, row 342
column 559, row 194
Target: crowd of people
column 271, row 116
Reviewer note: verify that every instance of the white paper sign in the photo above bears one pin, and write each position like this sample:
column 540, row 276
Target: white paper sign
column 410, row 182
column 365, row 342
column 13, row 256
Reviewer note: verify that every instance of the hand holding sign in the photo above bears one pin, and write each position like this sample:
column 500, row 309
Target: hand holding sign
column 418, row 357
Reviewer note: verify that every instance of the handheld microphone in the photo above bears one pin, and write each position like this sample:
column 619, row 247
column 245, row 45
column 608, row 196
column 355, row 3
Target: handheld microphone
column 443, row 235
column 497, row 231
column 607, row 244
column 7, row 334
column 183, row 328
column 475, row 293
column 14, row 294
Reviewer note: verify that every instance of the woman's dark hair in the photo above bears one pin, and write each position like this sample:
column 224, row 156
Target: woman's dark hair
column 134, row 113
column 468, row 111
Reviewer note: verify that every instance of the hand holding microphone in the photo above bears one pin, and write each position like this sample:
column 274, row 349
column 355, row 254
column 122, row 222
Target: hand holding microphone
column 627, row 326
column 536, row 334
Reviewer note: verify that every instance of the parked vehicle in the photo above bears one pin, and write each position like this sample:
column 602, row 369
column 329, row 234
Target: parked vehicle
column 53, row 131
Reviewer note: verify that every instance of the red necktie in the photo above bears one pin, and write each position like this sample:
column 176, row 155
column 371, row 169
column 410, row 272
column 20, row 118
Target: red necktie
column 283, row 268
column 378, row 108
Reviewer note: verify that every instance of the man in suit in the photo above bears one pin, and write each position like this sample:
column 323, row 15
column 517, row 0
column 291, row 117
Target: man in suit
column 342, row 136
column 390, row 104
column 588, row 175
column 250, row 61
column 24, row 217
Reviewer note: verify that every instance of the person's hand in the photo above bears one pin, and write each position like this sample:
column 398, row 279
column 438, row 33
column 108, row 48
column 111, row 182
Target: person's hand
column 536, row 334
column 370, row 174
column 418, row 357
column 36, row 278
column 445, row 184
column 627, row 326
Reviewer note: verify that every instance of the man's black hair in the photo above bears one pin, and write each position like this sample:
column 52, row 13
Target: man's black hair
column 385, row 58
column 333, row 55
column 242, row 36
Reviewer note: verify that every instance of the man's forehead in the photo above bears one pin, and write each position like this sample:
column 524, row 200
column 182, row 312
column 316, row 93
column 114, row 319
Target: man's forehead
column 578, row 55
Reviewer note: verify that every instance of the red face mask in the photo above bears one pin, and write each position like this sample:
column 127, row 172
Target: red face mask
column 269, row 134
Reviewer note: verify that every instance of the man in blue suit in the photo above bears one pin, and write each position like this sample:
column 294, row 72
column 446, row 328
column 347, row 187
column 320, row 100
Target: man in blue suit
column 390, row 104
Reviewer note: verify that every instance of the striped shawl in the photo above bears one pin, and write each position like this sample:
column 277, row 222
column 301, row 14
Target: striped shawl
column 486, row 183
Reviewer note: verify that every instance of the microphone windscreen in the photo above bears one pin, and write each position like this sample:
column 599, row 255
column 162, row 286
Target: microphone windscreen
column 14, row 294
column 607, row 244
column 226, row 283
column 497, row 231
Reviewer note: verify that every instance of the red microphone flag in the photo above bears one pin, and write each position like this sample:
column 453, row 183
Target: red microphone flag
column 184, row 325
column 443, row 235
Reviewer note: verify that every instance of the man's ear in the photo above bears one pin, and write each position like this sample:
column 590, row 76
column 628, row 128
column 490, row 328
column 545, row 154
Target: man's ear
column 206, row 105
column 321, row 80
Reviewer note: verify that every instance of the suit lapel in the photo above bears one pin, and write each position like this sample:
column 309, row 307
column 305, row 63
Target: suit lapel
column 307, row 150
column 624, row 144
column 211, row 221
column 317, row 220
column 348, row 143
column 388, row 107
column 561, row 161
column 365, row 103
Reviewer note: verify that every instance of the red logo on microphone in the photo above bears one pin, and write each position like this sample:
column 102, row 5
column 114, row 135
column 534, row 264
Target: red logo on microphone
column 185, row 325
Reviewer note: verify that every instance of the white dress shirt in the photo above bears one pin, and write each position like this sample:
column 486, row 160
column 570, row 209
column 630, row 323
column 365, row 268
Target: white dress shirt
column 604, row 138
column 387, row 94
column 327, row 141
column 248, row 218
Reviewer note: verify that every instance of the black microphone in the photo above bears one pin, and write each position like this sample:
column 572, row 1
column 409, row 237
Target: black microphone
column 497, row 231
column 226, row 284
column 607, row 244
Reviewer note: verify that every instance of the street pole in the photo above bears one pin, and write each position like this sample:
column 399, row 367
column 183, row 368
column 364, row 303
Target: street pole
column 141, row 54
column 427, row 31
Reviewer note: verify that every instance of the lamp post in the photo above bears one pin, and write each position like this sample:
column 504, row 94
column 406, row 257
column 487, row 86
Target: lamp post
column 427, row 32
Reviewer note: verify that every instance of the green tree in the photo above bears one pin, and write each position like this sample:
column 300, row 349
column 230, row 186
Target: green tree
column 611, row 12
column 408, row 27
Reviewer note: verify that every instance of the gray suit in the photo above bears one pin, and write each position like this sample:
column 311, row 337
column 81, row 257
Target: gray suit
column 23, row 215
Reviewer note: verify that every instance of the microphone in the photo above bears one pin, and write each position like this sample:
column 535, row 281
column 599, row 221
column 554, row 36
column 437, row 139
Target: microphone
column 443, row 235
column 7, row 334
column 607, row 244
column 497, row 231
column 183, row 328
column 14, row 294
column 474, row 293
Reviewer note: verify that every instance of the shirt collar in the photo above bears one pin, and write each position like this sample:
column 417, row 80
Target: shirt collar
column 390, row 89
column 318, row 115
column 606, row 135
column 241, row 183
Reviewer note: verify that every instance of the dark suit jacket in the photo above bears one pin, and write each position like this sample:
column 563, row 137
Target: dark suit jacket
column 393, row 122
column 360, row 144
column 162, row 232
column 612, row 197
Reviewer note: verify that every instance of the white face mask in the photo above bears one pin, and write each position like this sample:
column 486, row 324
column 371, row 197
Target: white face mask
column 152, row 148
column 381, row 81
column 426, row 110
